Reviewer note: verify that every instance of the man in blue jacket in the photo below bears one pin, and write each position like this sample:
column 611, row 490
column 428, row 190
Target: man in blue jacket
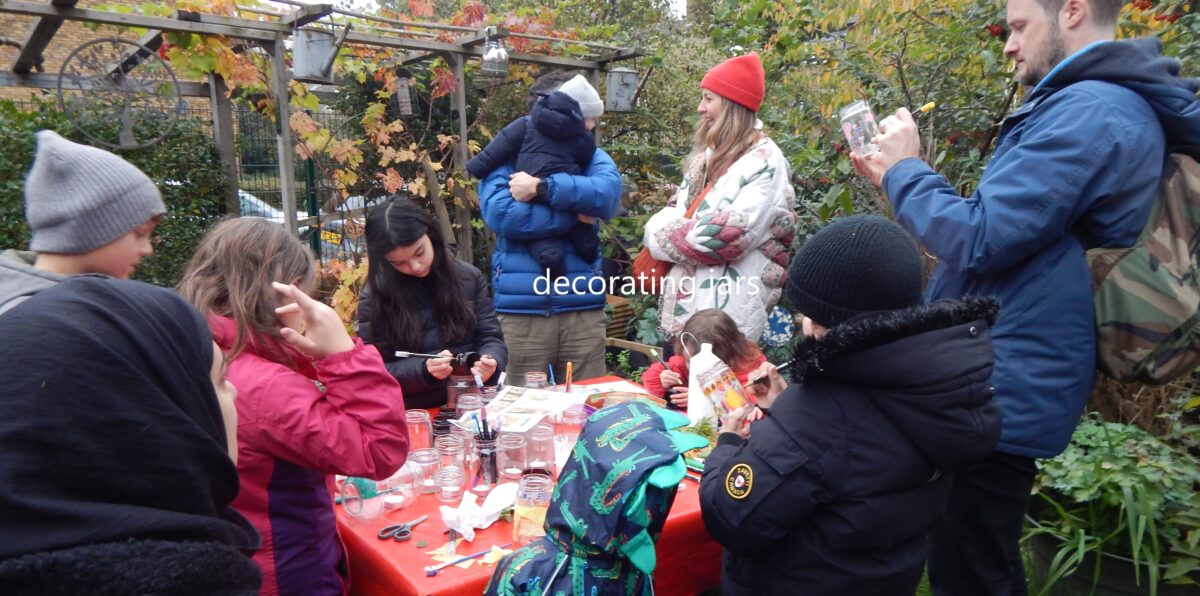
column 1077, row 167
column 549, row 320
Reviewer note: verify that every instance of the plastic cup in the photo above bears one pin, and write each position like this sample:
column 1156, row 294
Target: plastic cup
column 858, row 124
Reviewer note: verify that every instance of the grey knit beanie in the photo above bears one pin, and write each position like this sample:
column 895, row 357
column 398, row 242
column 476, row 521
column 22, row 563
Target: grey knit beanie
column 79, row 198
column 582, row 92
column 855, row 265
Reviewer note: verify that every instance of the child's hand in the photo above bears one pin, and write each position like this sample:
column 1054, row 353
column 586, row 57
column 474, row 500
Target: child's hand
column 485, row 367
column 587, row 219
column 669, row 378
column 440, row 368
column 323, row 333
column 737, row 421
column 679, row 396
column 523, row 186
column 769, row 388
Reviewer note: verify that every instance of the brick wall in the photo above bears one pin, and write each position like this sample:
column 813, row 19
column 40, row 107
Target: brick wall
column 70, row 35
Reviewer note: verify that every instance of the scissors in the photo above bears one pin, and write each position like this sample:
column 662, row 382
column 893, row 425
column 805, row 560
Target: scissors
column 401, row 532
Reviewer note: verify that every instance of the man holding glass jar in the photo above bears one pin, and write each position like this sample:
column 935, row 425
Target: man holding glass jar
column 1077, row 167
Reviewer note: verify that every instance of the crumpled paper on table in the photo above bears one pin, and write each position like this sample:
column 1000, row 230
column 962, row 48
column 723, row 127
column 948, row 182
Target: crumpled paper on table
column 470, row 516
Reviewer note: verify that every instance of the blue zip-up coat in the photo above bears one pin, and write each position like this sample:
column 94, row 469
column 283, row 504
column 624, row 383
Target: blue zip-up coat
column 520, row 283
column 1077, row 167
column 552, row 139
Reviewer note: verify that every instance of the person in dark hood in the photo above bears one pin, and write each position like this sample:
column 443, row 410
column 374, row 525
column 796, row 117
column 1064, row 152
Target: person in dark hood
column 835, row 491
column 555, row 138
column 117, row 430
column 1077, row 167
column 608, row 508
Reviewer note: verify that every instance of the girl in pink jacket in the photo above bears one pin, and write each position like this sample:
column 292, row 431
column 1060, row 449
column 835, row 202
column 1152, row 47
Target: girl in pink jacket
column 312, row 401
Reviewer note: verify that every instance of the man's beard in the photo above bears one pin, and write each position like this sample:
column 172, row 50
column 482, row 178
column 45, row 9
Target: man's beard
column 1056, row 53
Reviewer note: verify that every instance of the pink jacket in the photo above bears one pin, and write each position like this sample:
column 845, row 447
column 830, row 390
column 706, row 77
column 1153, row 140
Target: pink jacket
column 341, row 414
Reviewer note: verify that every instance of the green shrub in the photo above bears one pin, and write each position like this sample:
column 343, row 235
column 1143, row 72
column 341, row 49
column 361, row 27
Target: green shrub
column 184, row 165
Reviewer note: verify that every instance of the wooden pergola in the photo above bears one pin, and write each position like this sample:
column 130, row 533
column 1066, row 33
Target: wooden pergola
column 416, row 40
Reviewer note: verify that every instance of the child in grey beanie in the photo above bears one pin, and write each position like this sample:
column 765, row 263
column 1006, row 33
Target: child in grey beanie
column 89, row 211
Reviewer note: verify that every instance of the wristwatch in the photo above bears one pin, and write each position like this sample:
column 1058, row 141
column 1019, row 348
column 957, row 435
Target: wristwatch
column 543, row 189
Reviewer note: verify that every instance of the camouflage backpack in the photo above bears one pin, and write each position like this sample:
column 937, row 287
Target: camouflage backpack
column 1147, row 296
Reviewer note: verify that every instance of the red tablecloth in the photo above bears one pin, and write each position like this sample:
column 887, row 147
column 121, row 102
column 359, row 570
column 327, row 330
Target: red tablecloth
column 688, row 559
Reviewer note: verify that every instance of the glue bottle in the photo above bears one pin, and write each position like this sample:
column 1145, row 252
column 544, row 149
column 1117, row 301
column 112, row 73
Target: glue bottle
column 713, row 388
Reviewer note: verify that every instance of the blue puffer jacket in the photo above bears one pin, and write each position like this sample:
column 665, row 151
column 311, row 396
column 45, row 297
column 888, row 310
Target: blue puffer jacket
column 1077, row 167
column 552, row 139
column 520, row 283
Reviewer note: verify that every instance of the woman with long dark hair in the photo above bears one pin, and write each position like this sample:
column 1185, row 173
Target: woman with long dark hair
column 419, row 297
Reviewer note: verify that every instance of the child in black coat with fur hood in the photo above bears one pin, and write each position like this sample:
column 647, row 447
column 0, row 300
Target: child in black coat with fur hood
column 836, row 490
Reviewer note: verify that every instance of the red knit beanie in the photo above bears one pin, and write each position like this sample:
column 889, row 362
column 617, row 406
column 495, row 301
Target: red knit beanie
column 740, row 80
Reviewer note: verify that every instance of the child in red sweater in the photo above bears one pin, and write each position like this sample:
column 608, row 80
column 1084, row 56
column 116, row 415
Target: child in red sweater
column 707, row 326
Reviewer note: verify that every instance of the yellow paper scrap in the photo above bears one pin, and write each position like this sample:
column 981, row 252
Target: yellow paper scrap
column 496, row 554
column 445, row 553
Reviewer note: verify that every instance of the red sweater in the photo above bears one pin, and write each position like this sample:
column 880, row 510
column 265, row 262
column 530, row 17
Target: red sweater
column 678, row 364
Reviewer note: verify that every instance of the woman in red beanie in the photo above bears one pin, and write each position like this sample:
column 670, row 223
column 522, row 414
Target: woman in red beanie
column 728, row 229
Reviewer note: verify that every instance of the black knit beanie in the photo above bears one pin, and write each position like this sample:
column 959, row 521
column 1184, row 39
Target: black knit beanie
column 859, row 264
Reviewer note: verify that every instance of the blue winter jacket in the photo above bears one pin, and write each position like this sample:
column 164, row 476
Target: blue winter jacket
column 520, row 284
column 552, row 139
column 1077, row 167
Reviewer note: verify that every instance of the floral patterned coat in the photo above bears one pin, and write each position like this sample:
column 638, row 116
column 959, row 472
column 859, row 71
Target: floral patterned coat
column 732, row 254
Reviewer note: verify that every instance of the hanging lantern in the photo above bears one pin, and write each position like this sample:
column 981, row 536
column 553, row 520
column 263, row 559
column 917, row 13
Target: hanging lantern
column 495, row 59
column 405, row 98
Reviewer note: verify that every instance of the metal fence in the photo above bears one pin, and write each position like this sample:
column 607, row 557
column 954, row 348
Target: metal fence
column 338, row 235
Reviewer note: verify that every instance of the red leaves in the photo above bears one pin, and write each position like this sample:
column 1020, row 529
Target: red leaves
column 1142, row 4
column 444, row 82
column 420, row 9
column 392, row 181
column 471, row 15
column 995, row 29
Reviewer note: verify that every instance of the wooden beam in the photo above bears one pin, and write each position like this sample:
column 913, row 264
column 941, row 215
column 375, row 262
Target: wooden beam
column 593, row 77
column 244, row 28
column 41, row 31
column 272, row 27
column 307, row 14
column 39, row 80
column 222, row 115
column 619, row 55
column 479, row 37
column 458, row 101
column 280, row 75
column 435, row 47
column 150, row 42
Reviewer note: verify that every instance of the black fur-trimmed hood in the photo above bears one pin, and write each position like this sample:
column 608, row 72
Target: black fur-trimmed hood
column 928, row 369
column 813, row 356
